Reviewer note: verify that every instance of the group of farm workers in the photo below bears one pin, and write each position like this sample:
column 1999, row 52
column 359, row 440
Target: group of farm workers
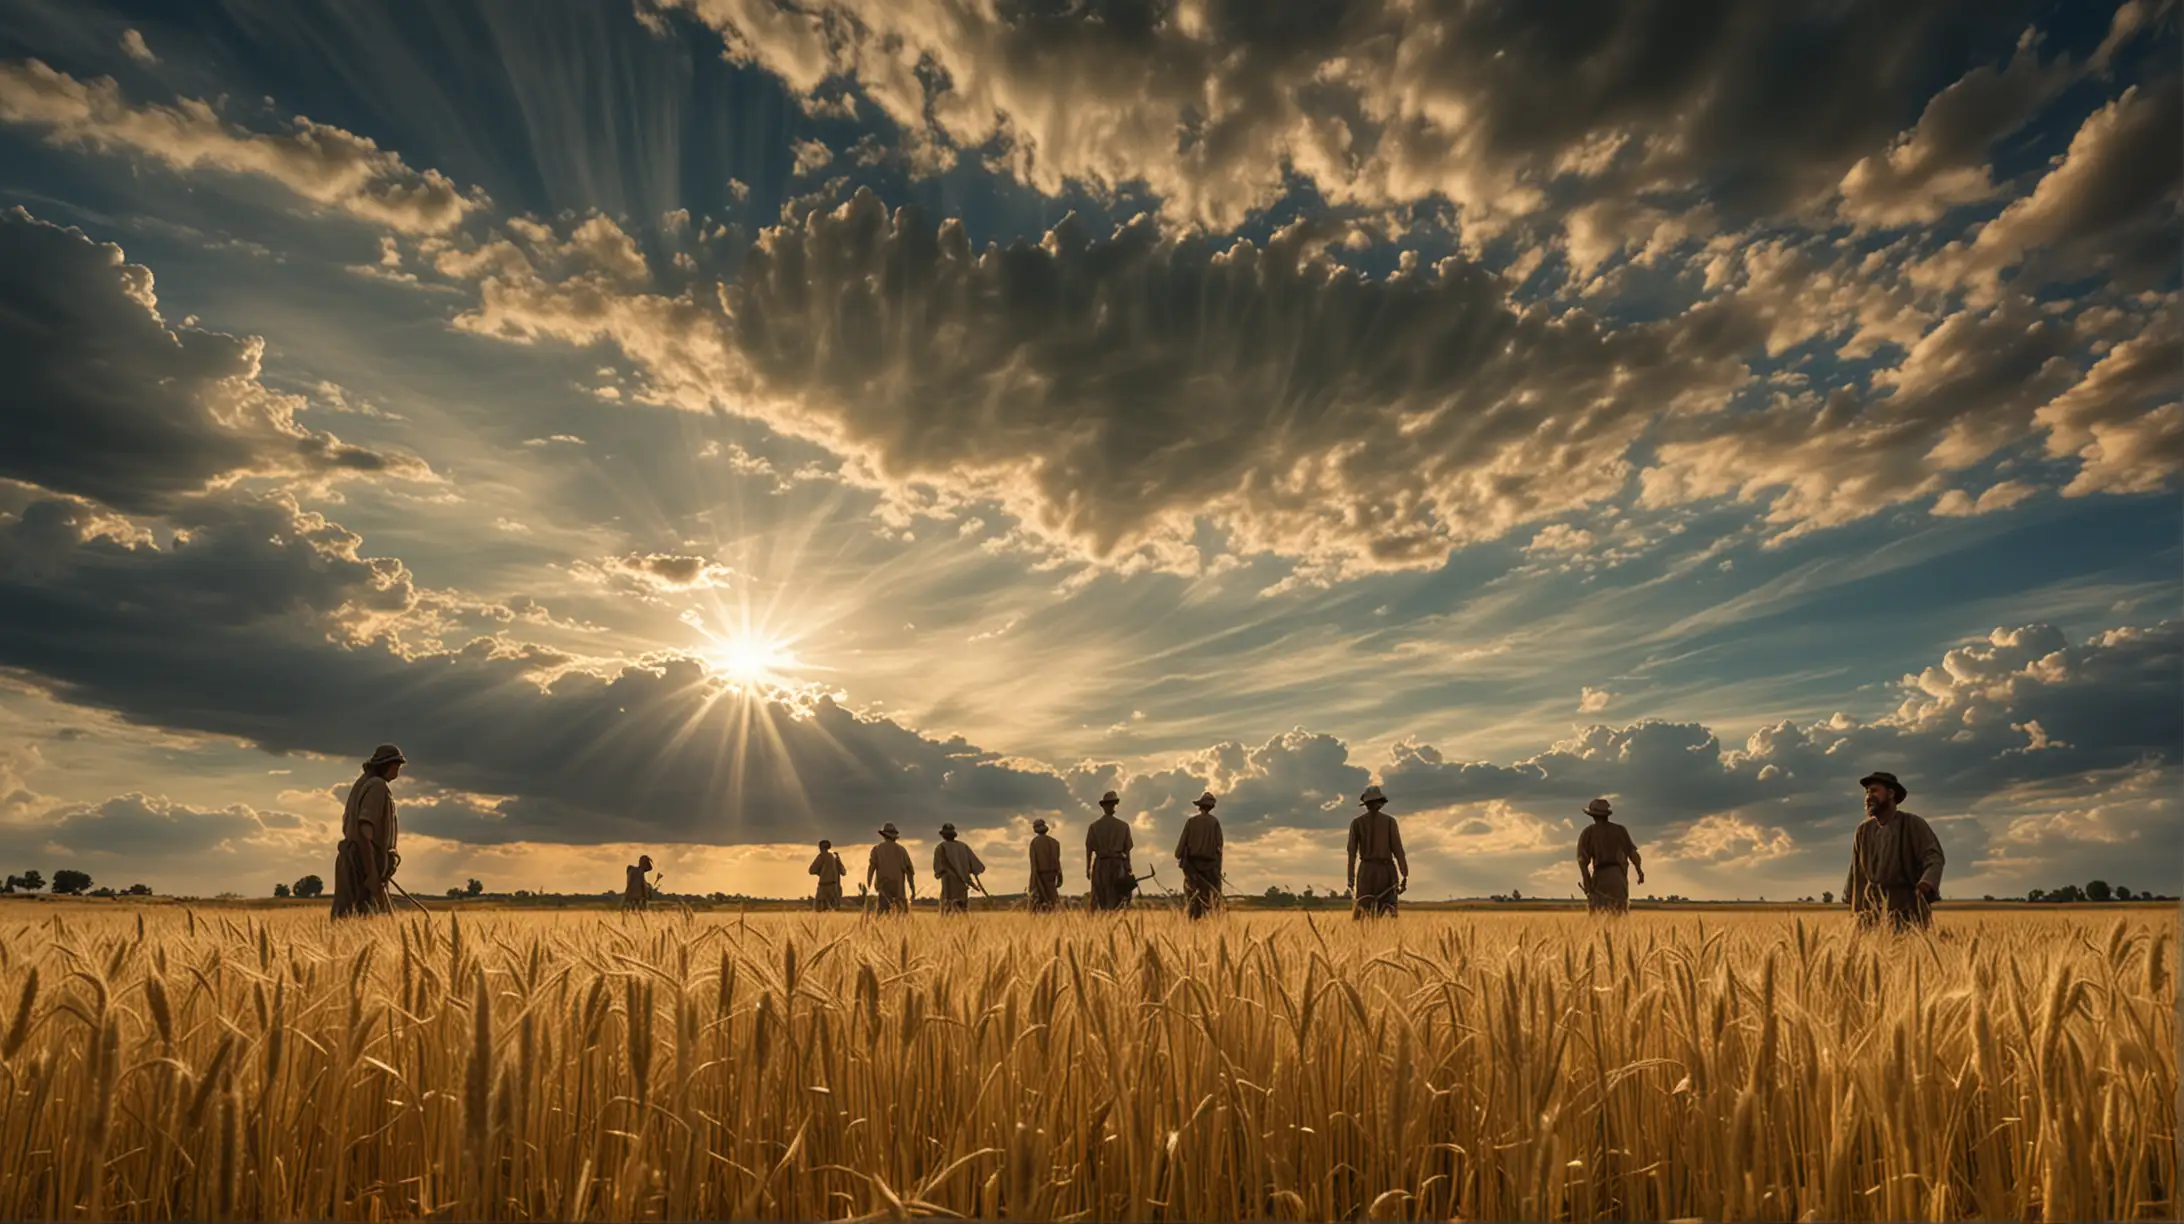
column 1895, row 859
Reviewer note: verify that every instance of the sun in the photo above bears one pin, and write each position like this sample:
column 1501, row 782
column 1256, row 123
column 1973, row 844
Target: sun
column 750, row 658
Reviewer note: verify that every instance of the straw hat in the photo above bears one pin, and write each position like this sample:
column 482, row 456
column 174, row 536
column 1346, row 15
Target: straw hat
column 888, row 830
column 1038, row 826
column 386, row 754
column 1599, row 807
column 1110, row 797
column 1372, row 795
column 1882, row 775
column 1207, row 800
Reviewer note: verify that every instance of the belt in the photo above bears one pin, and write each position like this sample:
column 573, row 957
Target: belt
column 1118, row 857
column 1386, row 860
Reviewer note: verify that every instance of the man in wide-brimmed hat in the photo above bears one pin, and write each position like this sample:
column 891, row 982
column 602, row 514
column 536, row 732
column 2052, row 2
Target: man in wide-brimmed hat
column 828, row 867
column 636, row 889
column 1375, row 857
column 1605, row 854
column 1107, row 856
column 955, row 865
column 1895, row 859
column 1046, row 869
column 1198, row 852
column 889, row 871
column 366, row 859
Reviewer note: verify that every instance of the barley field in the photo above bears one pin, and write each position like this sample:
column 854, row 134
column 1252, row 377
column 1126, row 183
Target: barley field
column 165, row 1064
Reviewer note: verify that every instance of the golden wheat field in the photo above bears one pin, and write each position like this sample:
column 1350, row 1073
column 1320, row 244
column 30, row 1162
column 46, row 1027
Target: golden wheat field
column 162, row 1064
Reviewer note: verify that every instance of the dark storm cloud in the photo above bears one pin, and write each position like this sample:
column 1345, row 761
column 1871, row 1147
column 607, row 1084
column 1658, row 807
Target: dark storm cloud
column 267, row 626
column 1112, row 390
column 103, row 398
column 1377, row 102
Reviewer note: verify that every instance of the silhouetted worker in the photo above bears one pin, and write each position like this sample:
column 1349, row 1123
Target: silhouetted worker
column 1046, row 869
column 1895, row 859
column 637, row 891
column 366, row 859
column 828, row 867
column 1107, row 856
column 1375, row 857
column 888, row 870
column 1198, row 852
column 1605, row 853
column 955, row 865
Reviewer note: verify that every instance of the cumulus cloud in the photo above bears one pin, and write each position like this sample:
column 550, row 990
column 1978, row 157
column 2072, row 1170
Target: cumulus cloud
column 662, row 571
column 134, row 46
column 1592, row 700
column 109, row 401
column 2109, row 205
column 321, row 163
column 2124, row 421
column 1940, row 163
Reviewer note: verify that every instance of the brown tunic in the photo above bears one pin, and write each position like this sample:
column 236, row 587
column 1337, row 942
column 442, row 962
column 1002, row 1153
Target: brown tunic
column 1199, row 853
column 1605, row 852
column 1889, row 859
column 889, row 869
column 1107, row 844
column 363, row 865
column 954, row 863
column 635, row 892
column 1046, row 872
column 1377, row 866
column 828, row 867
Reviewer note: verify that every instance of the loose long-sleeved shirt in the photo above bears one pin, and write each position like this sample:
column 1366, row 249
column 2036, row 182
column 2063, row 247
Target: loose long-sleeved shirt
column 828, row 867
column 1893, row 853
column 370, row 803
column 1046, row 856
column 1201, row 839
column 1109, row 837
column 1375, row 838
column 1605, row 843
column 889, row 863
column 953, row 858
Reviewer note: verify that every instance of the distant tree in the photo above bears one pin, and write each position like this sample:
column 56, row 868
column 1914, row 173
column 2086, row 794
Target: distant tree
column 1514, row 895
column 29, row 881
column 1988, row 897
column 102, row 892
column 2122, row 893
column 473, row 888
column 455, row 893
column 2037, row 894
column 309, row 886
column 280, row 890
column 69, row 882
column 2067, row 894
column 2099, row 890
column 138, row 890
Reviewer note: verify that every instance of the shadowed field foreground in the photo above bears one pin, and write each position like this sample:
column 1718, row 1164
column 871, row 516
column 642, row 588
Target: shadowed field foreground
column 162, row 1064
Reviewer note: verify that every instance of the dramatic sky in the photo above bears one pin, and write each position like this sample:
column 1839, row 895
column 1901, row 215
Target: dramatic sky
column 704, row 426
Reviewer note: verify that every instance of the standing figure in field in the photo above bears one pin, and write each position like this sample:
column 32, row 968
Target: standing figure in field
column 1375, row 858
column 956, row 866
column 1107, row 856
column 1895, row 860
column 828, row 867
column 1604, row 853
column 1198, row 852
column 636, row 890
column 888, row 871
column 366, row 859
column 1046, row 869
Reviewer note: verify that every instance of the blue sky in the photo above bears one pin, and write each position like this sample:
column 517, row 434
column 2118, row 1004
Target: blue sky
column 704, row 427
